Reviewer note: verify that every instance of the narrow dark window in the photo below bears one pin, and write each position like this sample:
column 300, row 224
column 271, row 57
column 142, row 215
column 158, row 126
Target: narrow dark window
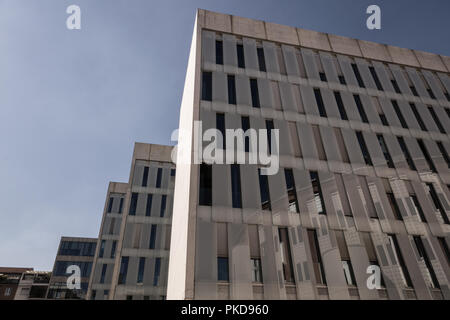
column 399, row 114
column 384, row 120
column 423, row 255
column 396, row 88
column 291, row 190
column 319, row 271
column 364, row 150
column 426, row 155
column 148, row 207
column 222, row 269
column 102, row 277
column 219, row 52
column 447, row 96
column 172, row 172
column 360, row 107
column 431, row 94
column 342, row 80
column 113, row 249
column 207, row 86
column 269, row 127
column 385, row 150
column 418, row 207
column 443, row 152
column 157, row 271
column 163, row 205
column 418, row 117
column 102, row 249
column 394, row 205
column 375, row 78
column 220, row 125
column 414, row 91
column 436, row 119
column 444, row 248
column 405, row 274
column 255, row 93
column 158, row 178
column 317, row 191
column 406, row 153
column 256, row 270
column 123, row 270
column 261, row 59
column 323, row 76
column 345, row 258
column 358, row 75
column 448, row 111
column 110, row 204
column 286, row 258
column 121, row 205
column 340, row 104
column 145, row 177
column 152, row 237
column 205, row 194
column 236, row 186
column 140, row 276
column 231, row 89
column 437, row 203
column 245, row 123
column 133, row 204
column 264, row 191
column 240, row 56
column 320, row 104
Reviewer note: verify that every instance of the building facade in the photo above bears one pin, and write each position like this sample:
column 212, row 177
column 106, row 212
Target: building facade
column 132, row 256
column 72, row 251
column 363, row 179
column 9, row 281
column 33, row 285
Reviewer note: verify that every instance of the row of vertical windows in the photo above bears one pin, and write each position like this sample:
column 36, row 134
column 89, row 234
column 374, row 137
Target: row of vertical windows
column 141, row 269
column 240, row 55
column 110, row 205
column 77, row 248
column 158, row 177
column 148, row 207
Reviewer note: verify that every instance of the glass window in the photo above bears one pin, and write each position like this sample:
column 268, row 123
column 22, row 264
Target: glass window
column 110, row 204
column 264, row 190
column 222, row 269
column 418, row 207
column 261, row 59
column 255, row 93
column 152, row 236
column 231, row 89
column 133, row 203
column 404, row 271
column 360, row 108
column 340, row 104
column 437, row 203
column 436, row 120
column 207, row 86
column 102, row 277
column 406, row 153
column 236, row 186
column 292, row 193
column 286, row 259
column 240, row 55
column 399, row 114
column 375, row 78
column 140, row 276
column 123, row 270
column 385, row 150
column 121, row 205
column 219, row 52
column 102, row 249
column 319, row 101
column 205, row 194
column 113, row 249
column 426, row 155
column 163, row 205
column 429, row 271
column 145, row 177
column 443, row 152
column 256, row 270
column 245, row 123
column 317, row 190
column 220, row 125
column 148, row 207
column 358, row 75
column 364, row 150
column 418, row 117
column 158, row 178
column 319, row 271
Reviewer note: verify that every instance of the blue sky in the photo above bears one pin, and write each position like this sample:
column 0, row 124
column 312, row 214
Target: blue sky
column 72, row 103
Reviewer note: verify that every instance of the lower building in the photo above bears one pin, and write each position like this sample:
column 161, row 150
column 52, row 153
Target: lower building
column 9, row 281
column 132, row 256
column 72, row 251
column 33, row 285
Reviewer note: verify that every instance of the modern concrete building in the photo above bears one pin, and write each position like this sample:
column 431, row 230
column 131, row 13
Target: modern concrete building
column 72, row 251
column 131, row 261
column 33, row 285
column 9, row 281
column 364, row 144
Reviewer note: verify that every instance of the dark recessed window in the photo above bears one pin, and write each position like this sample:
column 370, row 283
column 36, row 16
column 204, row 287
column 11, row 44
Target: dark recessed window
column 418, row 117
column 245, row 122
column 121, row 205
column 207, row 86
column 256, row 270
column 319, row 102
column 291, row 190
column 426, row 155
column 317, row 191
column 345, row 258
column 286, row 260
column 205, row 194
column 231, row 89
column 152, row 237
column 443, row 152
column 163, row 205
column 436, row 120
column 394, row 206
column 342, row 80
column 145, row 177
column 157, row 272
column 405, row 274
column 219, row 52
column 375, row 78
column 414, row 91
column 447, row 96
column 110, row 204
column 172, row 172
column 360, row 107
column 385, row 150
column 240, row 56
column 340, row 104
column 102, row 249
column 363, row 146
column 220, row 125
column 222, row 269
column 418, row 207
column 384, row 119
column 323, row 76
column 236, row 186
column 399, row 114
column 148, row 207
column 396, row 88
column 113, row 249
column 123, row 270
column 261, row 59
column 444, row 248
column 102, row 277
column 431, row 94
column 358, row 75
column 255, row 93
column 448, row 111
column 424, row 256
column 437, row 203
column 158, row 178
column 133, row 203
column 406, row 153
column 141, row 269
column 269, row 127
column 319, row 270
column 264, row 191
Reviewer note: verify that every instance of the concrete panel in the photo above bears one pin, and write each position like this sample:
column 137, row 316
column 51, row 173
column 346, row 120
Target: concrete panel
column 250, row 55
column 229, row 50
column 248, row 27
column 219, row 87
column 217, row 21
column 290, row 60
column 280, row 33
column 313, row 39
column 430, row 60
column 344, row 45
column 403, row 56
column 373, row 50
column 310, row 64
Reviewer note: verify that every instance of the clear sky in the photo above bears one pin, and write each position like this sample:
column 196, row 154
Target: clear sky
column 72, row 103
